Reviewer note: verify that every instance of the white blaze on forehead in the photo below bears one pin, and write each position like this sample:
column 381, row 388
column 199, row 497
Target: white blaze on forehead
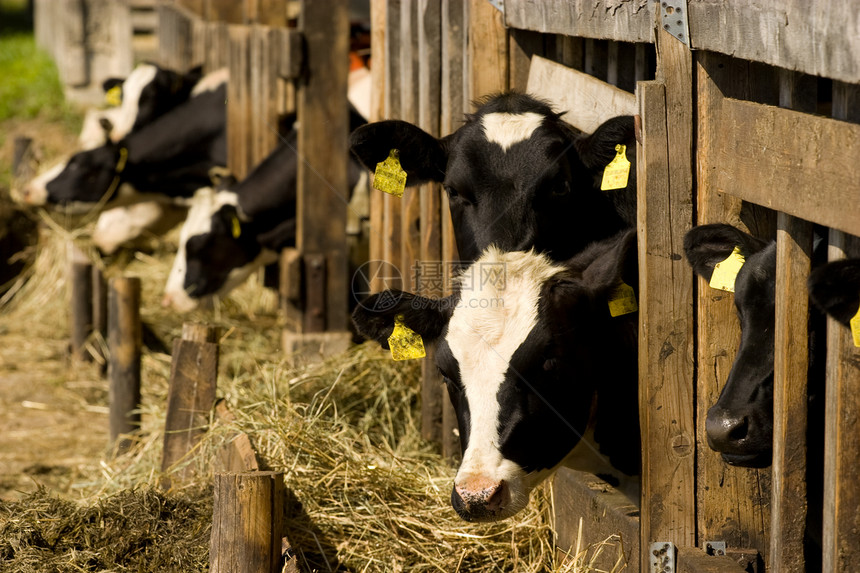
column 493, row 318
column 132, row 88
column 205, row 203
column 211, row 81
column 507, row 129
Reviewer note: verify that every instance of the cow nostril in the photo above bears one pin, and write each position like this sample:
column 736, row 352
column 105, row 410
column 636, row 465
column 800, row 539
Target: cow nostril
column 739, row 429
column 498, row 498
column 725, row 429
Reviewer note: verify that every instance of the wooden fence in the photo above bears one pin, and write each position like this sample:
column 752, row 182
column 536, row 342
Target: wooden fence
column 725, row 123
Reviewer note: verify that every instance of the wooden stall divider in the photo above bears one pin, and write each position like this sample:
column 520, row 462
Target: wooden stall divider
column 124, row 341
column 100, row 319
column 665, row 214
column 190, row 395
column 247, row 523
column 81, row 281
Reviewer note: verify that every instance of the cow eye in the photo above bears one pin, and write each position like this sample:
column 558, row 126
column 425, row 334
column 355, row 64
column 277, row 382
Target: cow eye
column 454, row 194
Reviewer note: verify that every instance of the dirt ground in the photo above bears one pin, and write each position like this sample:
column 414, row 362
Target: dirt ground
column 53, row 415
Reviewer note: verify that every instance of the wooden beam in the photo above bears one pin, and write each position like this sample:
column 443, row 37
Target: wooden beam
column 323, row 150
column 621, row 21
column 488, row 50
column 782, row 33
column 789, row 161
column 733, row 502
column 587, row 102
column 666, row 301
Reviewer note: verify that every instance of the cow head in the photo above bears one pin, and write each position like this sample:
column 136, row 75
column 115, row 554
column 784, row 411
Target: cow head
column 516, row 175
column 148, row 92
column 217, row 251
column 81, row 181
column 835, row 289
column 537, row 370
column 740, row 424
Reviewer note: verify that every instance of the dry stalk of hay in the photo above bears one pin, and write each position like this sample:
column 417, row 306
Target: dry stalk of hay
column 367, row 493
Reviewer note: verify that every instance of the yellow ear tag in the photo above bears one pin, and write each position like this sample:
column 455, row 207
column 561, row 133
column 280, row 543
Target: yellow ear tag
column 725, row 272
column 390, row 176
column 114, row 96
column 617, row 172
column 622, row 300
column 237, row 227
column 405, row 343
column 855, row 328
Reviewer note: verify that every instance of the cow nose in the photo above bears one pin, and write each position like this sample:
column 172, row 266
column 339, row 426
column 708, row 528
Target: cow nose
column 726, row 430
column 480, row 498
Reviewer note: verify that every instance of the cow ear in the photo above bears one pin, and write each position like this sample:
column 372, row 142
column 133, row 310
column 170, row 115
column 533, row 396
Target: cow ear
column 374, row 317
column 615, row 261
column 422, row 156
column 110, row 83
column 835, row 289
column 707, row 245
column 598, row 149
column 193, row 75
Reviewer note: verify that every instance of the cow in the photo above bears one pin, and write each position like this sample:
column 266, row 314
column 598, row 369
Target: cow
column 167, row 159
column 539, row 373
column 740, row 424
column 231, row 232
column 516, row 175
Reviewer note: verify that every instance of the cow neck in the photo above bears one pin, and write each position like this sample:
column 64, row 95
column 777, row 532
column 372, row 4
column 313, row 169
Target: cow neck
column 118, row 169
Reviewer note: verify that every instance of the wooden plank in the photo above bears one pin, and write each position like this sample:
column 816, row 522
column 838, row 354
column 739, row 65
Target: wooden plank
column 570, row 52
column 588, row 101
column 378, row 14
column 391, row 206
column 810, row 160
column 323, row 149
column 488, row 50
column 587, row 506
column 237, row 455
column 453, row 90
column 238, row 101
column 596, row 58
column 410, row 203
column 733, row 503
column 666, row 301
column 522, row 46
column 791, row 353
column 840, row 542
column 626, row 21
column 782, row 34
column 125, row 341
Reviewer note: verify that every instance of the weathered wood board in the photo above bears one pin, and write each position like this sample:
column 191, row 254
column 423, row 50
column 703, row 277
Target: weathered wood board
column 588, row 102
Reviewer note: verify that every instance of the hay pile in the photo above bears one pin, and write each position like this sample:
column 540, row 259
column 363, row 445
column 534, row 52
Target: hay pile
column 366, row 493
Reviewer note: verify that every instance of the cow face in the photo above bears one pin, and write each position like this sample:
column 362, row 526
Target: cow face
column 516, row 175
column 148, row 92
column 533, row 361
column 835, row 289
column 83, row 179
column 740, row 424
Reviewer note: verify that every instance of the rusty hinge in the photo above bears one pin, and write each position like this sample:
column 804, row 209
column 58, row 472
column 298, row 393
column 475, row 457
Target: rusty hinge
column 673, row 17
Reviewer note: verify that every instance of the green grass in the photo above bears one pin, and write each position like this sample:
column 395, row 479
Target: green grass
column 30, row 87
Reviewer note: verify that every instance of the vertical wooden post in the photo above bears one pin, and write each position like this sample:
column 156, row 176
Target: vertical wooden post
column 322, row 180
column 791, row 363
column 666, row 301
column 247, row 523
column 82, row 303
column 378, row 16
column 191, row 393
column 840, row 543
column 732, row 501
column 453, row 98
column 100, row 316
column 488, row 50
column 125, row 351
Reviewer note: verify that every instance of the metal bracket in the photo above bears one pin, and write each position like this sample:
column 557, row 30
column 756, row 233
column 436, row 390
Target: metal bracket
column 673, row 14
column 717, row 548
column 498, row 5
column 661, row 557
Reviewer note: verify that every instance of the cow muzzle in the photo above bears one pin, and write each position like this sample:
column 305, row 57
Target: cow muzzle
column 481, row 499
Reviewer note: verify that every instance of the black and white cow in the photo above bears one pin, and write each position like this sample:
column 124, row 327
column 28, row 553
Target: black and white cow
column 538, row 371
column 517, row 176
column 740, row 424
column 231, row 232
column 167, row 159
